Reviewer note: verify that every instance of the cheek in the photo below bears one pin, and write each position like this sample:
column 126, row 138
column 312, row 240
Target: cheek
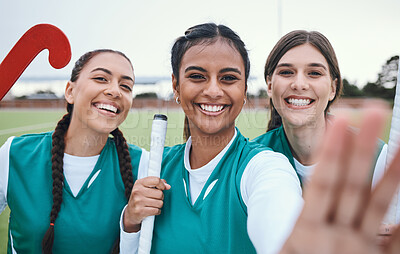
column 276, row 94
column 324, row 92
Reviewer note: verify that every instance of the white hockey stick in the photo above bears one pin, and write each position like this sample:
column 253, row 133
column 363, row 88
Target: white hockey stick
column 158, row 132
column 394, row 141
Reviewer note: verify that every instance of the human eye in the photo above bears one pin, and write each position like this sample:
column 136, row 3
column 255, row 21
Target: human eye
column 229, row 78
column 196, row 76
column 315, row 74
column 100, row 79
column 285, row 72
column 126, row 87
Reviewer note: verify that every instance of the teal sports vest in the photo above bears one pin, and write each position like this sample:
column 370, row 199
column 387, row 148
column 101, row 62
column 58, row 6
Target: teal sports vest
column 216, row 223
column 87, row 223
column 277, row 141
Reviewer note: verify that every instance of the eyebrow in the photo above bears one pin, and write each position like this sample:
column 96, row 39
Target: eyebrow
column 231, row 69
column 221, row 71
column 317, row 65
column 110, row 73
column 197, row 68
column 311, row 65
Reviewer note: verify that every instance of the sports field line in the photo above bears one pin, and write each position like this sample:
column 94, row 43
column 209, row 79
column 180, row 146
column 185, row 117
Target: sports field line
column 26, row 128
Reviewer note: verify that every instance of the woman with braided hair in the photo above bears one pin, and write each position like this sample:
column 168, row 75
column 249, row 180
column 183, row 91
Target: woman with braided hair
column 66, row 188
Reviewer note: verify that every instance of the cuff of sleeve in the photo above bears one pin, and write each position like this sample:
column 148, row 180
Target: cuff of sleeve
column 128, row 241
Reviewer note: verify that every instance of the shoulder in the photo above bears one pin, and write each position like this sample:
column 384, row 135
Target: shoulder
column 170, row 151
column 272, row 171
column 5, row 148
column 135, row 149
column 34, row 136
column 381, row 144
column 266, row 137
column 271, row 163
column 269, row 157
column 33, row 139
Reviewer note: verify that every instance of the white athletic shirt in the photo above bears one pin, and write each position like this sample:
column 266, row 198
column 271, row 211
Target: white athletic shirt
column 270, row 189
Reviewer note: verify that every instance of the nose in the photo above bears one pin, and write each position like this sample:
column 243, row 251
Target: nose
column 213, row 89
column 300, row 82
column 113, row 89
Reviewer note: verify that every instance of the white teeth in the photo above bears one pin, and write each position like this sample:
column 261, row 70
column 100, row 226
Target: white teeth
column 107, row 107
column 299, row 102
column 211, row 108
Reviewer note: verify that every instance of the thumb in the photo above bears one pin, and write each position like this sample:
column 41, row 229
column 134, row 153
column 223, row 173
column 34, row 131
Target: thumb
column 167, row 186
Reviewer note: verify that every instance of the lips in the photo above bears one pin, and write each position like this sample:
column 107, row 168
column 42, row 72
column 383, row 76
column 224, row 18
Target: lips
column 299, row 102
column 212, row 109
column 108, row 107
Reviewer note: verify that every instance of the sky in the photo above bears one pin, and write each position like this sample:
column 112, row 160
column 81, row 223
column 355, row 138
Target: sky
column 364, row 33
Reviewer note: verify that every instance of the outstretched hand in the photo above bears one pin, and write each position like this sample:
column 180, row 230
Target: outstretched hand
column 341, row 214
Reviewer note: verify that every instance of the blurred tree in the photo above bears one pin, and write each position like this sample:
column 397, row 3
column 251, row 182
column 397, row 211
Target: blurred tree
column 350, row 90
column 262, row 93
column 388, row 76
column 385, row 85
column 148, row 95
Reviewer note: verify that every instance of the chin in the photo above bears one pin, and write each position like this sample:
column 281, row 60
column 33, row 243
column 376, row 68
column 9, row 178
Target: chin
column 301, row 122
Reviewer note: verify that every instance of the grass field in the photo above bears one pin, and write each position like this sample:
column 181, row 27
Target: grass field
column 136, row 129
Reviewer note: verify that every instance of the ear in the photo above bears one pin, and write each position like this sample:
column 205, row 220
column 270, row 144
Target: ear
column 175, row 86
column 333, row 90
column 269, row 86
column 69, row 92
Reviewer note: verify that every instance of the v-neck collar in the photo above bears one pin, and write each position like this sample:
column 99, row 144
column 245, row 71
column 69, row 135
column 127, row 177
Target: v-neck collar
column 90, row 180
column 213, row 178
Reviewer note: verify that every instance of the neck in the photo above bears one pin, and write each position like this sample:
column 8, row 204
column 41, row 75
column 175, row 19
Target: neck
column 304, row 140
column 205, row 147
column 83, row 142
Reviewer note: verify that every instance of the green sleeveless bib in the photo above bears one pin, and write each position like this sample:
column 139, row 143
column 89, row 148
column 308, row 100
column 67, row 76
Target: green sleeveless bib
column 217, row 222
column 87, row 223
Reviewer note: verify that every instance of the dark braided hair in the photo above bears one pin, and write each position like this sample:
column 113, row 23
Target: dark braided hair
column 206, row 33
column 124, row 158
column 57, row 153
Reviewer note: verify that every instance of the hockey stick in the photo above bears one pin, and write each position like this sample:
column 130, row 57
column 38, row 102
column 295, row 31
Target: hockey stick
column 394, row 141
column 36, row 39
column 158, row 132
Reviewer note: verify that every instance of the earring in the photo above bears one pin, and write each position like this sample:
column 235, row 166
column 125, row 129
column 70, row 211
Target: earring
column 244, row 102
column 177, row 100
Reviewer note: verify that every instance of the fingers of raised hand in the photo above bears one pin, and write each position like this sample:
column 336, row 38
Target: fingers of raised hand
column 382, row 196
column 385, row 234
column 321, row 192
column 356, row 180
column 393, row 247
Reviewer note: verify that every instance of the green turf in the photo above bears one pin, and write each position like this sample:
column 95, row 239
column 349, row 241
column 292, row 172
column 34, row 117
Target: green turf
column 136, row 128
